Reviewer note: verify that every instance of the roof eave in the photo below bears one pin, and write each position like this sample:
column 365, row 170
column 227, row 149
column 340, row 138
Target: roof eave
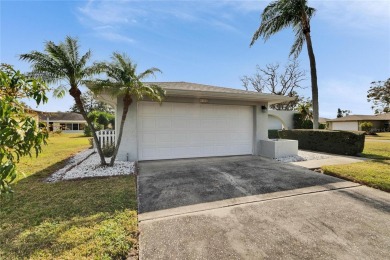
column 254, row 97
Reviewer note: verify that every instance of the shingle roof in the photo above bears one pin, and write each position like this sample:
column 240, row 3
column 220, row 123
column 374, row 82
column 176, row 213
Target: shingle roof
column 199, row 87
column 60, row 116
column 361, row 118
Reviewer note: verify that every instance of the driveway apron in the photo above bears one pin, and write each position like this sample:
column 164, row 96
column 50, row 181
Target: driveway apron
column 248, row 207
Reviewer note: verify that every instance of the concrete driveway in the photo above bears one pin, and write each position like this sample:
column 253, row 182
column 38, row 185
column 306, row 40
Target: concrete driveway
column 248, row 207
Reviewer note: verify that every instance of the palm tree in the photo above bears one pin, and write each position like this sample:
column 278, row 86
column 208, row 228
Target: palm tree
column 304, row 109
column 123, row 81
column 295, row 13
column 62, row 62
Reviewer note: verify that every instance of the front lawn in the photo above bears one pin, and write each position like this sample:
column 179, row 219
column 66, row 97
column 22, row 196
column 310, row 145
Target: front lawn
column 379, row 136
column 371, row 173
column 93, row 218
column 375, row 173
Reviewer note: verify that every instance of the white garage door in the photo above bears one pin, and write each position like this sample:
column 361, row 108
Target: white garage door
column 347, row 126
column 184, row 130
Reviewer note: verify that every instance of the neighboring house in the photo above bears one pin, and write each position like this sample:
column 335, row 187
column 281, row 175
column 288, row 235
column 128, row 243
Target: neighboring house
column 281, row 119
column 380, row 122
column 194, row 120
column 64, row 121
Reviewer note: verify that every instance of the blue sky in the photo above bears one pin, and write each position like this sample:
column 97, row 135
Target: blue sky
column 208, row 41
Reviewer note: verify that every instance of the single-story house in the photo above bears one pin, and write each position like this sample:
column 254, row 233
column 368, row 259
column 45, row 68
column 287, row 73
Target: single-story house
column 64, row 121
column 380, row 122
column 194, row 120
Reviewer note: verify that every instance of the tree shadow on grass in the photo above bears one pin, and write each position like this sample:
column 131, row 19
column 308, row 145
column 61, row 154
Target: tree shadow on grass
column 375, row 156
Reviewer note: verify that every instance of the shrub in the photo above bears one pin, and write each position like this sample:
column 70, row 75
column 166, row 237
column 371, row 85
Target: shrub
column 87, row 131
column 337, row 142
column 307, row 124
column 297, row 118
column 366, row 126
column 108, row 150
column 322, row 126
column 273, row 134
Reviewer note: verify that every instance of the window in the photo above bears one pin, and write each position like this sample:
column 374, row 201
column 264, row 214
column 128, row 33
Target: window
column 75, row 127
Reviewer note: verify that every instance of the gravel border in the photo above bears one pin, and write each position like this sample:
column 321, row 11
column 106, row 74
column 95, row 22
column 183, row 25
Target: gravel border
column 87, row 164
column 305, row 156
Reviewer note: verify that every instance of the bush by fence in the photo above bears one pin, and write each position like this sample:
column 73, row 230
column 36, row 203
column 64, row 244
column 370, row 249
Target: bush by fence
column 338, row 142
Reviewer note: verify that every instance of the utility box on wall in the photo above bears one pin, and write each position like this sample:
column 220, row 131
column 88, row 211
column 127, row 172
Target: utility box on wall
column 278, row 148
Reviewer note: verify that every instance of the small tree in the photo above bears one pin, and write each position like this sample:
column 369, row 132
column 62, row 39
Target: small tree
column 270, row 79
column 123, row 81
column 19, row 132
column 366, row 127
column 379, row 95
column 342, row 113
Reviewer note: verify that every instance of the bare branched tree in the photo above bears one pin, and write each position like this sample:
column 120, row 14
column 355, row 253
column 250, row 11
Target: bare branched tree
column 271, row 80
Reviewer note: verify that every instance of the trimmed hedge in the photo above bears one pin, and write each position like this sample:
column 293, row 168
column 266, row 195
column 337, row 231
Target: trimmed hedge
column 273, row 134
column 337, row 142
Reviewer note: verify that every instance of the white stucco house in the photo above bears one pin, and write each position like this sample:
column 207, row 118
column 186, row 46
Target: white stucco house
column 380, row 122
column 194, row 120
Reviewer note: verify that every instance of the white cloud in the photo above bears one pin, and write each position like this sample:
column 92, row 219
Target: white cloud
column 115, row 37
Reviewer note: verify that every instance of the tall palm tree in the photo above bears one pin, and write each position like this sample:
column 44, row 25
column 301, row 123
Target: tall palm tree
column 123, row 81
column 62, row 62
column 295, row 13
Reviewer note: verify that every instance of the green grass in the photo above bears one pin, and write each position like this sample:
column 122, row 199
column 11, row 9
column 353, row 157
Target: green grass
column 379, row 136
column 375, row 173
column 371, row 173
column 376, row 150
column 93, row 218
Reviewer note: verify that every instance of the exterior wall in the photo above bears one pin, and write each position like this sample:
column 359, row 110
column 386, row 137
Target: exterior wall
column 129, row 145
column 128, row 149
column 346, row 126
column 261, row 127
column 274, row 123
column 279, row 119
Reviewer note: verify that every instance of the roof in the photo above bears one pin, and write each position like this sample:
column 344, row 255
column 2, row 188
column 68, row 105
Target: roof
column 187, row 89
column 197, row 87
column 60, row 116
column 361, row 118
column 323, row 120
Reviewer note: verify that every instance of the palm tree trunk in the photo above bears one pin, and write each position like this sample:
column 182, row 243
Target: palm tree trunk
column 76, row 94
column 314, row 85
column 127, row 100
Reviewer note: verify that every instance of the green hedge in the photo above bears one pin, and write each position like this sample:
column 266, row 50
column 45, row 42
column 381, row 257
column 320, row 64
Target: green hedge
column 273, row 134
column 337, row 142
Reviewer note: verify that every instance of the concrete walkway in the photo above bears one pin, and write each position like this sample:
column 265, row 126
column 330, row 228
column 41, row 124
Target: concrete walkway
column 334, row 160
column 253, row 208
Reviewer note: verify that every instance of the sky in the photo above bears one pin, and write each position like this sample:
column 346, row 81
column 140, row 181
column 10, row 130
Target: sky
column 207, row 42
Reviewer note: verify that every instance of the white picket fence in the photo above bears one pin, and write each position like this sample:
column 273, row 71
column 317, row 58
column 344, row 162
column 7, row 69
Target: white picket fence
column 106, row 137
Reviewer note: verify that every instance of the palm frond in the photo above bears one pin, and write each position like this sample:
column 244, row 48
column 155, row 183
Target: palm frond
column 300, row 39
column 148, row 72
column 281, row 14
column 59, row 92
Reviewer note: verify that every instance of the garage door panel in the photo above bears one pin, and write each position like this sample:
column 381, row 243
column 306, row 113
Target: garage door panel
column 181, row 130
column 163, row 123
